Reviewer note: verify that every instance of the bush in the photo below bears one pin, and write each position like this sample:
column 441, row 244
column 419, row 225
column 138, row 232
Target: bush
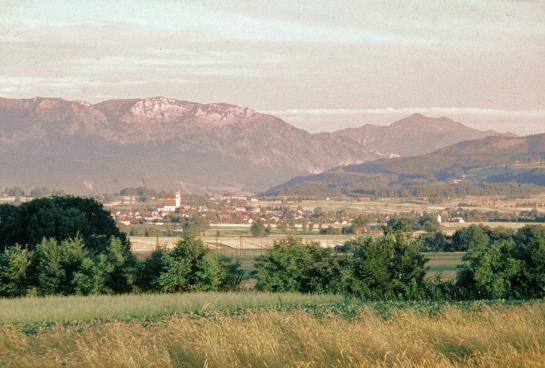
column 387, row 267
column 469, row 238
column 489, row 272
column 14, row 265
column 152, row 267
column 434, row 242
column 190, row 266
column 67, row 268
column 510, row 266
column 292, row 265
column 258, row 229
column 117, row 268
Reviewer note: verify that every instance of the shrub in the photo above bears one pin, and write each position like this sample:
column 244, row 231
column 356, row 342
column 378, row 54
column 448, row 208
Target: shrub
column 117, row 268
column 191, row 266
column 387, row 267
column 292, row 265
column 14, row 265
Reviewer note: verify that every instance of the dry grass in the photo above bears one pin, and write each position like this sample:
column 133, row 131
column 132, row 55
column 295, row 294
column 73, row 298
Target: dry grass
column 492, row 336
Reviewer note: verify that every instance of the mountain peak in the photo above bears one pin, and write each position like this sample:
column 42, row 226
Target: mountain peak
column 414, row 135
column 416, row 115
column 418, row 118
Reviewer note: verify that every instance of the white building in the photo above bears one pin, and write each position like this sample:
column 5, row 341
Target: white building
column 172, row 205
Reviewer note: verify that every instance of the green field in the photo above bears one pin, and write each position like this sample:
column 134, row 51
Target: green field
column 446, row 263
column 144, row 306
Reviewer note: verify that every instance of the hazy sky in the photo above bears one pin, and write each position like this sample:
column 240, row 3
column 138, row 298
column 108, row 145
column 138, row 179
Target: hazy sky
column 321, row 65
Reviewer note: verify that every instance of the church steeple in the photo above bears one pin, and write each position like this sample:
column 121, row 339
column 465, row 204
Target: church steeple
column 178, row 199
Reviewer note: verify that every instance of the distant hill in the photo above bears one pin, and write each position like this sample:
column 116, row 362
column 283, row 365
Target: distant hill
column 414, row 135
column 158, row 142
column 493, row 165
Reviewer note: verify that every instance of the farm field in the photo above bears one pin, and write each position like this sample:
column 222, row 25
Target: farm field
column 146, row 244
column 445, row 263
column 405, row 205
column 245, row 250
column 450, row 227
column 266, row 330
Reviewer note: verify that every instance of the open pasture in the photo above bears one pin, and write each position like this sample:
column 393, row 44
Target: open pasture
column 143, row 244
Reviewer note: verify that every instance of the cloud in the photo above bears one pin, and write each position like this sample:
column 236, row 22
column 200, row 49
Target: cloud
column 28, row 85
column 198, row 21
column 444, row 111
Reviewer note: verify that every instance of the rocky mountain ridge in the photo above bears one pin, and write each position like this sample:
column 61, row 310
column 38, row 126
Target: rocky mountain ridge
column 167, row 143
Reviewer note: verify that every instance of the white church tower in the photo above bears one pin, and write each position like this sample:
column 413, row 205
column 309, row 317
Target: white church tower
column 178, row 199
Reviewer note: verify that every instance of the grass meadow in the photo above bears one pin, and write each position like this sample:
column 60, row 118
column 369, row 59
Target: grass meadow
column 67, row 309
column 263, row 335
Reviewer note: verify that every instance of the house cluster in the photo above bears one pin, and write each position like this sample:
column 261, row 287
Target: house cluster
column 237, row 211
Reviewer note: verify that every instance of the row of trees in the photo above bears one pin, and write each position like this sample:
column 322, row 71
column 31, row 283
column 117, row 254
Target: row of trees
column 383, row 268
column 464, row 239
column 392, row 267
column 35, row 192
column 68, row 245
column 70, row 268
column 386, row 267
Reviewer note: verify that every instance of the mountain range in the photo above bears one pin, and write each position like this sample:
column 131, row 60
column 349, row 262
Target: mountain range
column 491, row 165
column 166, row 143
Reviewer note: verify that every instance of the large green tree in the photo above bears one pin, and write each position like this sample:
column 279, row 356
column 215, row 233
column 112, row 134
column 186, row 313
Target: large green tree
column 469, row 238
column 489, row 272
column 61, row 218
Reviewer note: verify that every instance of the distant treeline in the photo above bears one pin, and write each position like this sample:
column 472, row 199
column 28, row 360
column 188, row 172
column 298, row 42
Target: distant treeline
column 36, row 192
column 433, row 189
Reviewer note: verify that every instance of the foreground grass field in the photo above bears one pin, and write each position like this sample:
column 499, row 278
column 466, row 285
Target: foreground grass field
column 266, row 330
column 498, row 336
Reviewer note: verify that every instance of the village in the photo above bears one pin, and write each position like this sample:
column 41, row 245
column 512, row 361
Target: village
column 325, row 215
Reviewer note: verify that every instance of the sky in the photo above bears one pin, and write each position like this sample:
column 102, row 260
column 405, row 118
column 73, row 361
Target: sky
column 319, row 65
